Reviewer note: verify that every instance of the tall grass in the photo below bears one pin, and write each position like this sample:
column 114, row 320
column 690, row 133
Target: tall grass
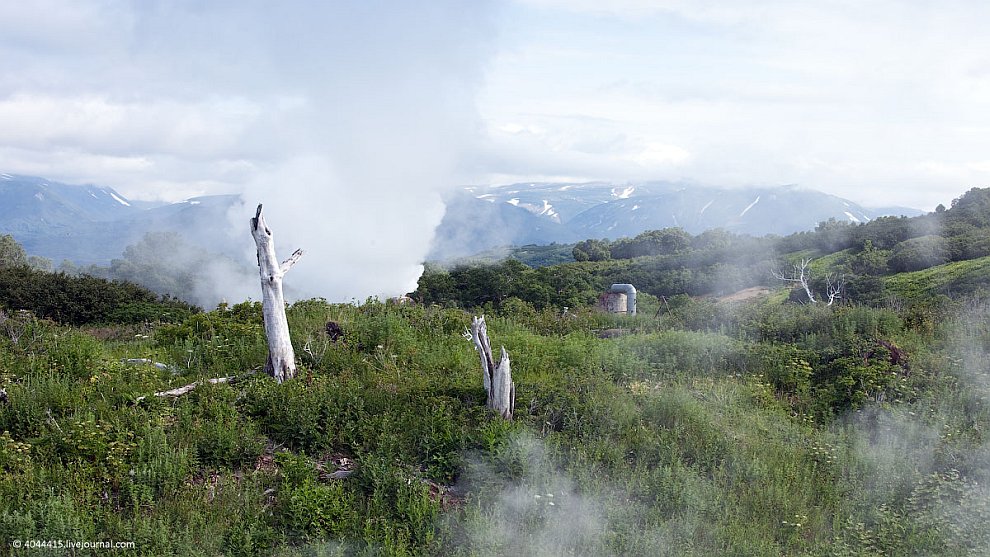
column 753, row 432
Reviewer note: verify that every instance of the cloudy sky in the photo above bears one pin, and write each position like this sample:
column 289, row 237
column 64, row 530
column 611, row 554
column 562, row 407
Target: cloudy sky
column 881, row 101
column 373, row 108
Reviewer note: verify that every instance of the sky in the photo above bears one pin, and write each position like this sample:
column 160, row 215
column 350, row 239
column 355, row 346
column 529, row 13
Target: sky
column 883, row 102
column 349, row 119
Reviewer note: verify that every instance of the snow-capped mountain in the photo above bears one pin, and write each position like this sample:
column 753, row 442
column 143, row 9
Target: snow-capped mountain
column 29, row 203
column 480, row 218
column 94, row 224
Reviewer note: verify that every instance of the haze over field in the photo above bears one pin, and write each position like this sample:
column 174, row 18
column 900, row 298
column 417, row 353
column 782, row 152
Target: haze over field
column 348, row 120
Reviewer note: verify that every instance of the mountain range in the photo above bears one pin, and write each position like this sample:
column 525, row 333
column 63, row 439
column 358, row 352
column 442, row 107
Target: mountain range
column 480, row 218
column 90, row 224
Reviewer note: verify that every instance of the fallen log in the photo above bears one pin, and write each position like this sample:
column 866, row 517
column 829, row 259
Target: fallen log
column 179, row 391
column 159, row 365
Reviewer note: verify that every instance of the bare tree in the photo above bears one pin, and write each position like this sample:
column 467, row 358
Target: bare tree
column 801, row 274
column 497, row 379
column 834, row 287
column 281, row 358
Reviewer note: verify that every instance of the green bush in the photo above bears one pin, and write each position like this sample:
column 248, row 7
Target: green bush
column 83, row 299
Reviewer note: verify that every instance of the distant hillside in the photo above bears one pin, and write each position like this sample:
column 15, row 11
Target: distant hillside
column 481, row 218
column 93, row 224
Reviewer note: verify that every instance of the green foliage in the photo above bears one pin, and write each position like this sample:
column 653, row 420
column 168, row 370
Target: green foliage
column 919, row 253
column 592, row 250
column 699, row 427
column 83, row 299
column 667, row 241
column 227, row 341
column 870, row 260
column 214, row 428
column 12, row 254
column 959, row 278
column 167, row 264
column 15, row 456
column 464, row 286
column 309, row 508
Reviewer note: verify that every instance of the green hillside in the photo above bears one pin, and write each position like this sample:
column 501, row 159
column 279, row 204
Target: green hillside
column 952, row 279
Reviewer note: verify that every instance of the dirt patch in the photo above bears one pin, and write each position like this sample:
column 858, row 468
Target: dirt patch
column 746, row 294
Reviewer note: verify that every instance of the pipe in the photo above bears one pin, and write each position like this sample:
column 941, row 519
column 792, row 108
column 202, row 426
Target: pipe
column 630, row 292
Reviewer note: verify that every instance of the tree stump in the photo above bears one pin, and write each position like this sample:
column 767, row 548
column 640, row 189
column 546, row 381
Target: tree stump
column 497, row 379
column 281, row 358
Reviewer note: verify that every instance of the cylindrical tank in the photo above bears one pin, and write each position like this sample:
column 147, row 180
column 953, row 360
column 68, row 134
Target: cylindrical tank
column 615, row 302
column 628, row 293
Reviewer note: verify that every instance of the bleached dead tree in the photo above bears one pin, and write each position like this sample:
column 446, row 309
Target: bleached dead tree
column 179, row 391
column 497, row 379
column 801, row 274
column 834, row 286
column 281, row 358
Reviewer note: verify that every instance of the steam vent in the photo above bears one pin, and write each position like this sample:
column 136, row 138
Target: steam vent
column 620, row 298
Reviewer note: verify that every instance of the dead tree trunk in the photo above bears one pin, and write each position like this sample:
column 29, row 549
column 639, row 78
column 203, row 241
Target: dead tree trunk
column 281, row 358
column 497, row 379
column 801, row 274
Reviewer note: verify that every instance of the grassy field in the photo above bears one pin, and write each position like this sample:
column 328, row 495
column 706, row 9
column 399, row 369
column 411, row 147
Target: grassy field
column 750, row 429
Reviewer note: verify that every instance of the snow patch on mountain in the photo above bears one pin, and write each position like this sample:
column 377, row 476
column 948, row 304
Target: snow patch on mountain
column 119, row 200
column 624, row 193
column 750, row 206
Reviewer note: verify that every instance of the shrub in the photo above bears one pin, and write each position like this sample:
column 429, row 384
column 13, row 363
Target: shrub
column 83, row 299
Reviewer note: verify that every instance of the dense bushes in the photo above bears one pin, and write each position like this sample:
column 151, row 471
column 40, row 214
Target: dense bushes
column 82, row 299
column 471, row 286
column 746, row 424
column 918, row 253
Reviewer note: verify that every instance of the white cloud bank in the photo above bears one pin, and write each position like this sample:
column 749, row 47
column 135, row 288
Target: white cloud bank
column 881, row 101
column 344, row 118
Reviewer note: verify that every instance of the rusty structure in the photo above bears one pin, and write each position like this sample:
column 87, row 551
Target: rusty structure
column 620, row 298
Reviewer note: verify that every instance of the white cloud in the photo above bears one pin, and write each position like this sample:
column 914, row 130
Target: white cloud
column 345, row 119
column 207, row 128
column 754, row 91
column 660, row 155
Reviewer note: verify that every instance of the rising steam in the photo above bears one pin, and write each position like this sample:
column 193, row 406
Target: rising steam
column 385, row 107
